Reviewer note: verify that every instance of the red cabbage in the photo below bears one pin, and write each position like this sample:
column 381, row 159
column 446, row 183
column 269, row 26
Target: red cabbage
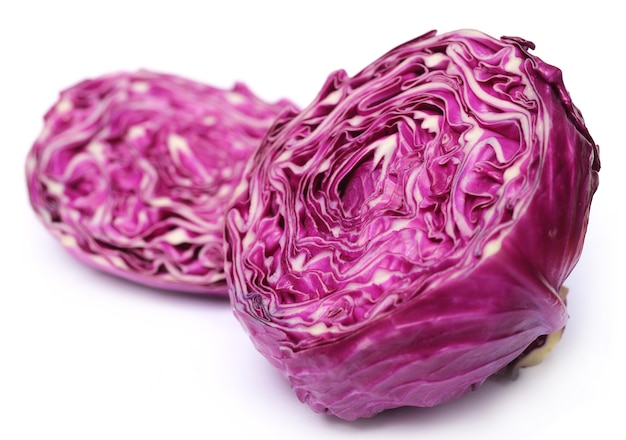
column 407, row 234
column 132, row 173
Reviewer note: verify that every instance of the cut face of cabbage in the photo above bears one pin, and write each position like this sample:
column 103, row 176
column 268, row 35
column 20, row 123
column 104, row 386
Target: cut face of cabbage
column 132, row 173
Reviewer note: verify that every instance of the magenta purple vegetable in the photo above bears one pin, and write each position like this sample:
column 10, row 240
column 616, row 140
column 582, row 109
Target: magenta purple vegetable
column 133, row 171
column 406, row 235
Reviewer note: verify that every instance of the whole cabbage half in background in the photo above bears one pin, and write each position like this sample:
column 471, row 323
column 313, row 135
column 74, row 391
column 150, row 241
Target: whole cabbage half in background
column 406, row 235
column 132, row 173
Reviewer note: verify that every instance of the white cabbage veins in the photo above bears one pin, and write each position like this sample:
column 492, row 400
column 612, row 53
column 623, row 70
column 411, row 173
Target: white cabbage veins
column 405, row 236
column 132, row 173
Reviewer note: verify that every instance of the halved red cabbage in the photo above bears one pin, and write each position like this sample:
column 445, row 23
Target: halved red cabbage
column 406, row 235
column 132, row 173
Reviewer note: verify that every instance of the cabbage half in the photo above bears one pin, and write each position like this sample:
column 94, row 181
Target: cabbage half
column 132, row 173
column 407, row 234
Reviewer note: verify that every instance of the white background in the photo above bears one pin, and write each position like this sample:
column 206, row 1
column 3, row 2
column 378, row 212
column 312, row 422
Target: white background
column 87, row 356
